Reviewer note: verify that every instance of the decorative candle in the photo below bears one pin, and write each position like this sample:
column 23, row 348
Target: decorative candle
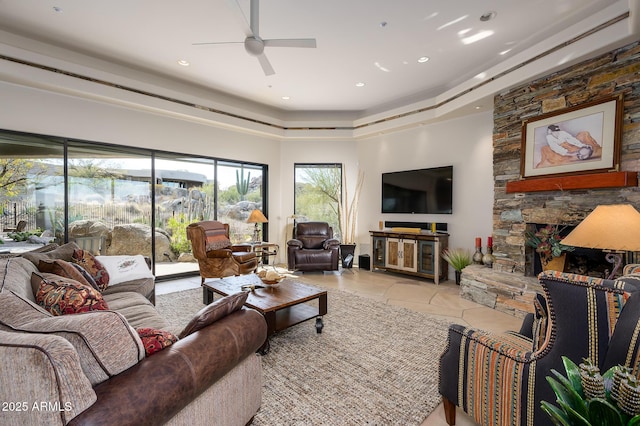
column 478, row 242
column 489, row 241
column 433, row 227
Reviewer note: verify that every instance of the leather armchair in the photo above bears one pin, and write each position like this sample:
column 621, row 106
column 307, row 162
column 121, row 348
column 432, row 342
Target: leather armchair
column 500, row 379
column 216, row 256
column 313, row 248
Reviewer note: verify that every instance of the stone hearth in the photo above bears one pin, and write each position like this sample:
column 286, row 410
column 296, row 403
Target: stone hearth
column 507, row 292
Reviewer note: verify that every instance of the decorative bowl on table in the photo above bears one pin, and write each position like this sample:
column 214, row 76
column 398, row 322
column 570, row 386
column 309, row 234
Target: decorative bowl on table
column 270, row 277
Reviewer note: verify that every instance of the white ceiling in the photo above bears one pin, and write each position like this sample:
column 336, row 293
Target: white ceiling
column 153, row 35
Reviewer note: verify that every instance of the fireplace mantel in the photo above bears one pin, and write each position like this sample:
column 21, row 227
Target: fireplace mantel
column 586, row 181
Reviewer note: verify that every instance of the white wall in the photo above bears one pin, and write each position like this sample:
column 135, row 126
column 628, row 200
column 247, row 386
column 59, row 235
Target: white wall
column 466, row 143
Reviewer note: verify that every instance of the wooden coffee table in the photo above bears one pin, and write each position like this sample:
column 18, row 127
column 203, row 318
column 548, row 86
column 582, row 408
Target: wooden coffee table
column 283, row 305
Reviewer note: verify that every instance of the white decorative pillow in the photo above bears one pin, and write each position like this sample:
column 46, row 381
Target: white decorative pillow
column 125, row 268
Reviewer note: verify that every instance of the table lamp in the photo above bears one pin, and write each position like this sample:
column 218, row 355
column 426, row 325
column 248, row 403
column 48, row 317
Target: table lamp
column 256, row 217
column 613, row 228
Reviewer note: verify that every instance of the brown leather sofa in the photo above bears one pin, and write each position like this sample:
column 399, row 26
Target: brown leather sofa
column 313, row 248
column 216, row 256
column 91, row 369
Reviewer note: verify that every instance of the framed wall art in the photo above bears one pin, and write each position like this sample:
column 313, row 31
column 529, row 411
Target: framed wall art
column 579, row 139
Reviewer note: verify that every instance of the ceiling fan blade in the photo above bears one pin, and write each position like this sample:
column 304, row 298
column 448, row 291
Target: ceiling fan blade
column 266, row 65
column 291, row 42
column 240, row 17
column 217, row 42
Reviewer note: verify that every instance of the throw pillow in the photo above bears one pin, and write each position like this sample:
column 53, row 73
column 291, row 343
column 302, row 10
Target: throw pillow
column 125, row 268
column 213, row 312
column 93, row 266
column 65, row 269
column 65, row 296
column 155, row 340
column 217, row 243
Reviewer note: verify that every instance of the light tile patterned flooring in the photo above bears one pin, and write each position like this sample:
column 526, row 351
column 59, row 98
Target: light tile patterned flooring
column 402, row 290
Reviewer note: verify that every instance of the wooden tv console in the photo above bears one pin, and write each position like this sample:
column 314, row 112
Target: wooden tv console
column 410, row 252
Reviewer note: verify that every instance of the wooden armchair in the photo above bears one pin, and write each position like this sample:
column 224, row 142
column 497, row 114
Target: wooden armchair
column 216, row 256
column 500, row 379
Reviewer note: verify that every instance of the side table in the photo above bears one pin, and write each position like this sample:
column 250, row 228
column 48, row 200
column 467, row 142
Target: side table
column 264, row 250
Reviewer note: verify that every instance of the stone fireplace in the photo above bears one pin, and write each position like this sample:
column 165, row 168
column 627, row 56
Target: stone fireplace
column 511, row 284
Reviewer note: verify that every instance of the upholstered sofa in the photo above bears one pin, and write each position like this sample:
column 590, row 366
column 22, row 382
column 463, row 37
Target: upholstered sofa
column 91, row 368
column 313, row 248
column 500, row 378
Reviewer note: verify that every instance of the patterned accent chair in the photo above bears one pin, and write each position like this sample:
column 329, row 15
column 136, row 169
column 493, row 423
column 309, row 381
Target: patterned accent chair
column 313, row 248
column 216, row 256
column 500, row 379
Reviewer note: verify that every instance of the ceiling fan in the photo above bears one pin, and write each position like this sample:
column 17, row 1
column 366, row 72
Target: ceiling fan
column 253, row 44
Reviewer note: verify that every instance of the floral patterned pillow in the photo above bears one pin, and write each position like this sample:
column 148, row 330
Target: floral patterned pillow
column 63, row 296
column 155, row 340
column 93, row 266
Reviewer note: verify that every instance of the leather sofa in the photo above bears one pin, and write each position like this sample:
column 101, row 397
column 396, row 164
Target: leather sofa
column 217, row 256
column 91, row 368
column 313, row 248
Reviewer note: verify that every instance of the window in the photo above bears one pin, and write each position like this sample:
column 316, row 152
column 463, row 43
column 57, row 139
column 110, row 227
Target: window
column 66, row 190
column 317, row 190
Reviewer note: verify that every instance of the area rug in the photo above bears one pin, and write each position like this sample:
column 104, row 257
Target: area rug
column 373, row 364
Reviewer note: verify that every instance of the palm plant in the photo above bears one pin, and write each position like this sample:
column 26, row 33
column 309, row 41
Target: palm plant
column 458, row 258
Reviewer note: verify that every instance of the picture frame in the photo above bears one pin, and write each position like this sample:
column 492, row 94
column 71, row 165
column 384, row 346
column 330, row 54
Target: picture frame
column 576, row 140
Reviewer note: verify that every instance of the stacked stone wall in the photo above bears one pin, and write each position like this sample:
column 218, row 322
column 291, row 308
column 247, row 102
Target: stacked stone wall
column 616, row 72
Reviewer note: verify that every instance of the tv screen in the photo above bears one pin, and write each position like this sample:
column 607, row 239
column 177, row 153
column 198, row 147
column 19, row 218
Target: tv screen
column 418, row 191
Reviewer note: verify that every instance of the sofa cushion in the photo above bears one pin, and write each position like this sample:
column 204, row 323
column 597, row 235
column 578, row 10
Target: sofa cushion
column 125, row 268
column 63, row 252
column 93, row 266
column 67, row 270
column 62, row 296
column 137, row 309
column 104, row 341
column 213, row 312
column 15, row 275
column 155, row 340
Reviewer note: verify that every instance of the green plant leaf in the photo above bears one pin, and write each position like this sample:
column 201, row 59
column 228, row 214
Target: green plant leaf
column 557, row 416
column 567, row 395
column 601, row 412
column 635, row 421
column 575, row 418
column 573, row 374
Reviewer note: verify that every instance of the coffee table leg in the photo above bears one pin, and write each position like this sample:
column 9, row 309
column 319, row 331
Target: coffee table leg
column 319, row 325
column 207, row 296
column 264, row 349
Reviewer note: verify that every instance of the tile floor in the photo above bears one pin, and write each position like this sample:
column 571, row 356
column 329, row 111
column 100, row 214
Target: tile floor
column 395, row 289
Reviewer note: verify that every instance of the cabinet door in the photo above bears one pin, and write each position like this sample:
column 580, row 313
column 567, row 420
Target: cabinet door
column 409, row 254
column 393, row 253
column 426, row 257
column 379, row 252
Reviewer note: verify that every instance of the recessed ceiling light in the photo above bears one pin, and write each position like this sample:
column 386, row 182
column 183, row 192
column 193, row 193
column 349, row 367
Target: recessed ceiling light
column 184, row 63
column 359, row 84
column 487, row 16
column 57, row 9
column 286, row 98
column 383, row 24
column 423, row 59
column 478, row 107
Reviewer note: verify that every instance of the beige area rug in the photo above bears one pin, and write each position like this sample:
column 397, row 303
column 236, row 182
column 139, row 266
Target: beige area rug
column 373, row 364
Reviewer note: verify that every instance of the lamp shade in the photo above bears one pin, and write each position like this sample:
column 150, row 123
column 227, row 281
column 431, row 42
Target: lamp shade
column 256, row 216
column 612, row 227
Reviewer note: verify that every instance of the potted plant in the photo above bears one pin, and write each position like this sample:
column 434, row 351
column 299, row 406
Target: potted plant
column 548, row 244
column 347, row 218
column 586, row 397
column 458, row 259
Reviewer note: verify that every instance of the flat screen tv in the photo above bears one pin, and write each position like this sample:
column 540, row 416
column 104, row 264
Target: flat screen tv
column 418, row 191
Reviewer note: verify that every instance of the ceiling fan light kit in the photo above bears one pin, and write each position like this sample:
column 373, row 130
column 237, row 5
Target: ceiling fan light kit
column 254, row 45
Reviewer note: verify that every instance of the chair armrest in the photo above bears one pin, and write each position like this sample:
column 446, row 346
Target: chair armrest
column 294, row 243
column 331, row 243
column 212, row 254
column 241, row 247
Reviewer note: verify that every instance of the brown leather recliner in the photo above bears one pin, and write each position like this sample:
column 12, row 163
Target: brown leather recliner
column 217, row 257
column 313, row 248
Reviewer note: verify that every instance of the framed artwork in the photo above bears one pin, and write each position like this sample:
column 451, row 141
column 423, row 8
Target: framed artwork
column 580, row 139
